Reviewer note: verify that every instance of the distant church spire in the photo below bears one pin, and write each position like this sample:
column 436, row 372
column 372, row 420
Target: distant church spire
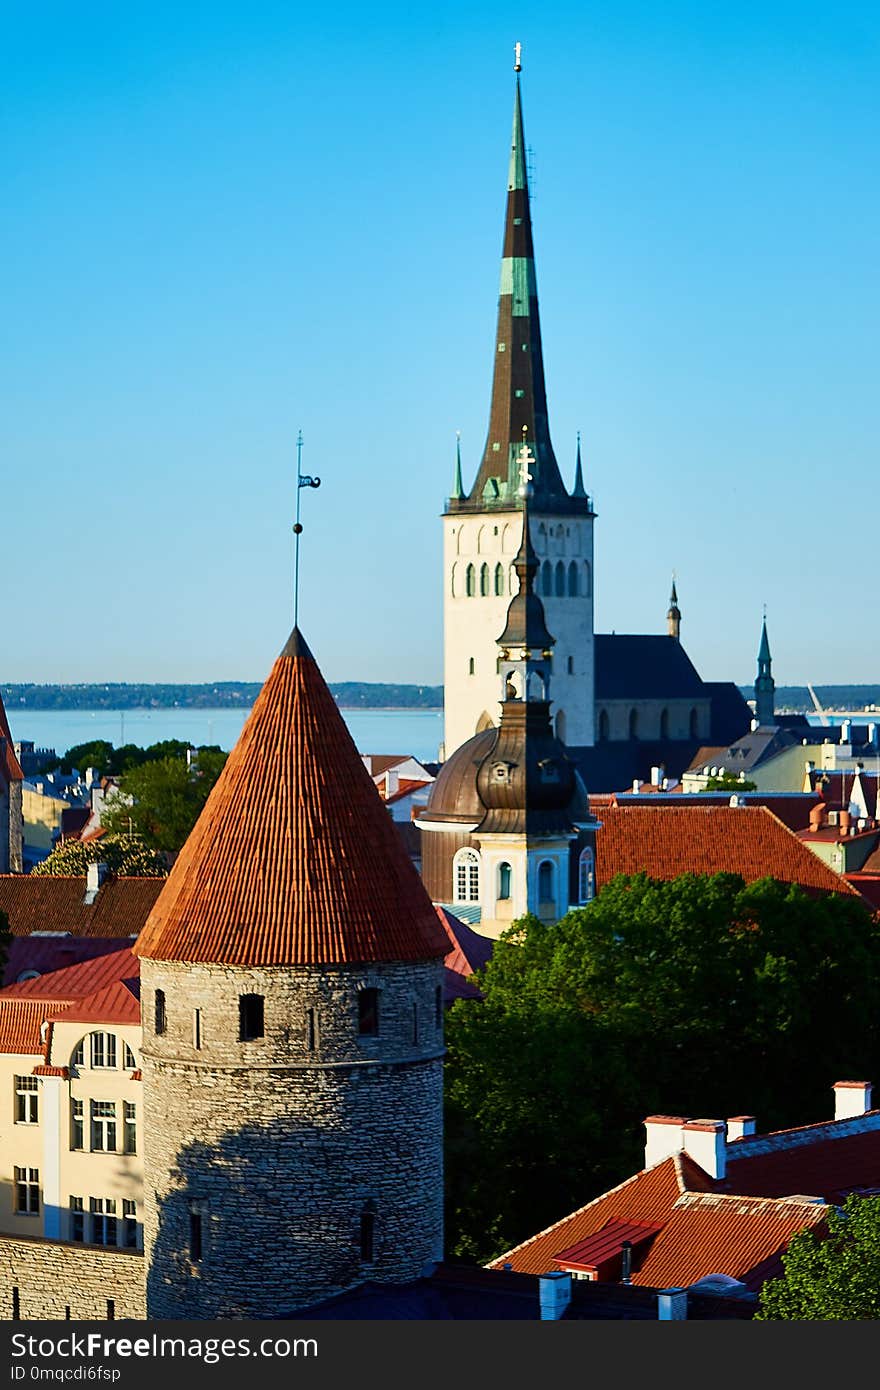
column 673, row 616
column 578, row 490
column 765, row 685
column 457, row 486
column 519, row 396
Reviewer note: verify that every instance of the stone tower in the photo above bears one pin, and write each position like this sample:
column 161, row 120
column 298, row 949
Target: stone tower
column 673, row 615
column 11, row 822
column 765, row 685
column 483, row 527
column 291, row 976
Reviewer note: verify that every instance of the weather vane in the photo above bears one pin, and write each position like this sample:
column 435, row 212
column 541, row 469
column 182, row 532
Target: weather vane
column 302, row 480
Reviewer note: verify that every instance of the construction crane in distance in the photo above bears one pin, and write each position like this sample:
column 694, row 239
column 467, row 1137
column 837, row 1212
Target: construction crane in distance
column 823, row 717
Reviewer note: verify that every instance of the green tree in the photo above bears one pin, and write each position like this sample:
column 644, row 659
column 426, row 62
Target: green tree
column 125, row 857
column 831, row 1279
column 729, row 782
column 697, row 996
column 98, row 754
column 161, row 800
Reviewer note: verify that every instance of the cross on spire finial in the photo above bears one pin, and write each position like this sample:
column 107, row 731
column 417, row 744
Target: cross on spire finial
column 517, row 57
column 302, row 480
column 526, row 457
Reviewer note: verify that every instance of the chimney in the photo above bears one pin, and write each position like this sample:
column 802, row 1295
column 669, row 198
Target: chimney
column 392, row 782
column 95, row 875
column 626, row 1261
column 843, row 822
column 662, row 1137
column 756, row 724
column 637, row 786
column 817, row 816
column 656, row 776
column 672, row 1305
column 740, row 1126
column 845, row 727
column 554, row 1294
column 872, row 735
column 367, row 761
column 851, row 1099
column 705, row 1142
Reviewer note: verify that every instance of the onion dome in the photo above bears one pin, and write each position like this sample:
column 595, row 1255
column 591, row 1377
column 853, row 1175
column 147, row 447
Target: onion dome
column 294, row 859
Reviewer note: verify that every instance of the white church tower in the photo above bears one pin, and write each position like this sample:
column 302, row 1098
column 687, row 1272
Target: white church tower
column 483, row 527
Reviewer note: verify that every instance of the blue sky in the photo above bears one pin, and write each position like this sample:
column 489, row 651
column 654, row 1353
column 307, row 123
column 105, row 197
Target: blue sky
column 226, row 222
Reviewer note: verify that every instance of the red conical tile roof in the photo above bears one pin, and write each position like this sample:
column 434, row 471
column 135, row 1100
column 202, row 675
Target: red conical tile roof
column 294, row 859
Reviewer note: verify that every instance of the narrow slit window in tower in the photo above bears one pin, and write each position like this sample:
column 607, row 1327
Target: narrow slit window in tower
column 368, row 1012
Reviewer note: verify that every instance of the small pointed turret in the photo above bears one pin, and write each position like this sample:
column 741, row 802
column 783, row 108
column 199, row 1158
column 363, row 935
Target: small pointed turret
column 457, row 485
column 526, row 627
column 673, row 615
column 765, row 685
column 578, row 490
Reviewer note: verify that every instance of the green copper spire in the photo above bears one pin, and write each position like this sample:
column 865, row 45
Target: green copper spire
column 516, row 178
column 578, row 490
column 457, row 486
column 764, row 649
column 765, row 686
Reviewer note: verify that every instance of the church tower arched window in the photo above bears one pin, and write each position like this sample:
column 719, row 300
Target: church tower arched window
column 560, row 579
column 547, row 579
column 466, row 876
column 572, row 580
column 484, row 581
column 499, row 581
column 547, row 882
column 470, row 581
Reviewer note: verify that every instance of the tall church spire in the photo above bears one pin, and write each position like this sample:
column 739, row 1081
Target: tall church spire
column 765, row 685
column 519, row 396
column 673, row 614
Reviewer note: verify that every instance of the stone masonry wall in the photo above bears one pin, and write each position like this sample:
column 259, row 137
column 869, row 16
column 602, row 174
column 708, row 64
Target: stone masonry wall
column 275, row 1148
column 54, row 1276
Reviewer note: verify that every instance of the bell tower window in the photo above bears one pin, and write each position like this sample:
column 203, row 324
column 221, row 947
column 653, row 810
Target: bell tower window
column 504, row 882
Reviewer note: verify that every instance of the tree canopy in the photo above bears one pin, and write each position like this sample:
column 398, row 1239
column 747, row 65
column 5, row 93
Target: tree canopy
column 112, row 761
column 696, row 996
column 831, row 1279
column 160, row 801
column 124, row 855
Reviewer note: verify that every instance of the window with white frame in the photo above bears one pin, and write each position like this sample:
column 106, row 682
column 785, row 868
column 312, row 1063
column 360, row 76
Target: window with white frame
column 586, row 876
column 102, row 1212
column 129, row 1059
column 78, row 1056
column 27, row 1100
column 129, row 1225
column 103, row 1050
column 103, row 1126
column 77, row 1125
column 27, row 1191
column 466, row 876
column 77, row 1219
column 129, row 1135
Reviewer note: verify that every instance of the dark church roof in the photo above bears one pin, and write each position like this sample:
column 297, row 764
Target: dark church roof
column 644, row 668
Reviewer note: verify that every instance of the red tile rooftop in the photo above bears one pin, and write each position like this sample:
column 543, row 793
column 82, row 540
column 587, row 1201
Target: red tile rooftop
column 745, row 840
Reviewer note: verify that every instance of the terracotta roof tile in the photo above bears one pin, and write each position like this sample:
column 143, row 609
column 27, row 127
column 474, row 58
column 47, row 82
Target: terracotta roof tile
column 294, row 859
column 647, row 1198
column 20, row 1021
column 712, row 1234
column 826, row 1166
column 666, row 841
column 36, row 904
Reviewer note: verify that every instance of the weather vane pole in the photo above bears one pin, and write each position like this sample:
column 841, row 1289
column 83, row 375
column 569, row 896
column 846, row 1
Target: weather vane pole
column 302, row 480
